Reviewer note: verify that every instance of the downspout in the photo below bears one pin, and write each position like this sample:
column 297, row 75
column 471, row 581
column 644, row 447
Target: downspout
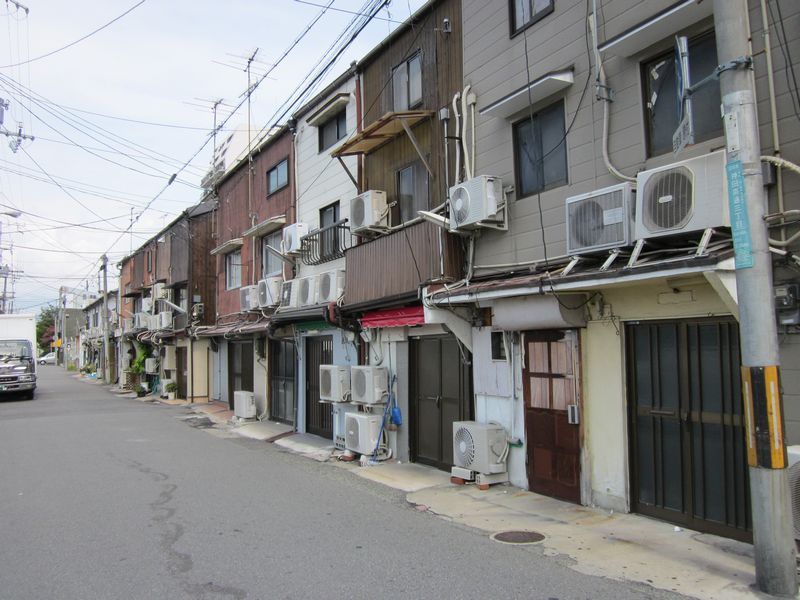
column 359, row 127
column 444, row 117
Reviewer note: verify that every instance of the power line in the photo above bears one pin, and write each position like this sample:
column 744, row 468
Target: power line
column 88, row 35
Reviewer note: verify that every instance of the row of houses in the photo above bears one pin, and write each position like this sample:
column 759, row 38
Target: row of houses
column 489, row 209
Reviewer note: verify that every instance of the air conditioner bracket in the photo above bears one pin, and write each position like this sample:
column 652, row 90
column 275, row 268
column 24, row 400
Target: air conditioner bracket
column 612, row 256
column 637, row 250
column 702, row 247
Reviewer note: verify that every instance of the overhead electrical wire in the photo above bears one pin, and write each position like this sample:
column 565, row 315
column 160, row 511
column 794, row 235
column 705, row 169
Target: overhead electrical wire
column 88, row 35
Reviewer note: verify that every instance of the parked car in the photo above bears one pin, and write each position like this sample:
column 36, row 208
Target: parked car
column 47, row 359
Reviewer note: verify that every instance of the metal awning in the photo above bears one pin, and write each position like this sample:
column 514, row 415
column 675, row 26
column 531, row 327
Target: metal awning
column 394, row 317
column 229, row 246
column 531, row 93
column 265, row 227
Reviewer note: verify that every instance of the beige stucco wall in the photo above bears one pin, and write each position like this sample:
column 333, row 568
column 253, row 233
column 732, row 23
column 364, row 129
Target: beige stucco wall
column 198, row 370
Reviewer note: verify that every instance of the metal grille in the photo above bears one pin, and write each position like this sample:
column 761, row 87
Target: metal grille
column 326, row 244
column 319, row 416
column 668, row 200
column 8, row 379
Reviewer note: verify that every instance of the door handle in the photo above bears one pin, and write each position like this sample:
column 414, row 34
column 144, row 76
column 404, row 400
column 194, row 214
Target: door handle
column 436, row 399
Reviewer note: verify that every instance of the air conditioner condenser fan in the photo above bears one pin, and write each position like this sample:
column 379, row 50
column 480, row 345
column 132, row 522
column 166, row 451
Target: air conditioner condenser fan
column 668, row 202
column 464, row 446
column 357, row 210
column 586, row 224
column 459, row 204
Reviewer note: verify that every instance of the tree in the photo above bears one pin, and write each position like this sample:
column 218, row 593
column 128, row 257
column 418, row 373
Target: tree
column 45, row 326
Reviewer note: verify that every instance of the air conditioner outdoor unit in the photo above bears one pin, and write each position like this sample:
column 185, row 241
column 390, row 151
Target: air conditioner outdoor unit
column 793, row 471
column 334, row 383
column 141, row 320
column 369, row 385
column 180, row 321
column 151, row 365
column 158, row 290
column 269, row 291
column 340, row 412
column 147, row 304
column 368, row 210
column 475, row 200
column 600, row 219
column 170, row 358
column 690, row 195
column 248, row 298
column 127, row 324
column 330, row 286
column 292, row 234
column 244, row 404
column 479, row 447
column 305, row 291
column 362, row 431
column 289, row 295
column 165, row 319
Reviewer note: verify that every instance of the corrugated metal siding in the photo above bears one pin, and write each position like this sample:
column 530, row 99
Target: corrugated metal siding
column 163, row 257
column 398, row 263
column 202, row 268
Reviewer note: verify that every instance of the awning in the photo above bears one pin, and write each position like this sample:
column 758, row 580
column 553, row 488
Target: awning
column 265, row 227
column 545, row 86
column 394, row 317
column 383, row 130
column 228, row 247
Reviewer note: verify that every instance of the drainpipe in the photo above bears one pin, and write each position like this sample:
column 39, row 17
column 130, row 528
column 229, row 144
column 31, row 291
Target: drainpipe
column 359, row 119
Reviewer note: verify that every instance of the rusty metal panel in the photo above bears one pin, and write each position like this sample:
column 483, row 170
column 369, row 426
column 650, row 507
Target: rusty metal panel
column 138, row 270
column 162, row 257
column 399, row 263
column 202, row 266
column 179, row 252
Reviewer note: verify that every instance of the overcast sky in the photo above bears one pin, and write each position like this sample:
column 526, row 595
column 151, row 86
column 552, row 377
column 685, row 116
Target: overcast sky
column 91, row 162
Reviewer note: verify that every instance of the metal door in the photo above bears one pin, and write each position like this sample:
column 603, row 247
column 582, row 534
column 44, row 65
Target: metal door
column 687, row 444
column 442, row 394
column 551, row 387
column 182, row 371
column 281, row 382
column 319, row 416
column 240, row 368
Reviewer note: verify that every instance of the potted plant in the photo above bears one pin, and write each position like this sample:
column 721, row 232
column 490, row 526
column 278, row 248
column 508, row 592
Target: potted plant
column 140, row 391
column 171, row 388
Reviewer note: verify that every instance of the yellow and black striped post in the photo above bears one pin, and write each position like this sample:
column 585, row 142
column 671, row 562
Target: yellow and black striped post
column 763, row 411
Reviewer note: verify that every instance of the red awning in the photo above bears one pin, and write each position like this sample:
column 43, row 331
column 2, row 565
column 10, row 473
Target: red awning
column 394, row 317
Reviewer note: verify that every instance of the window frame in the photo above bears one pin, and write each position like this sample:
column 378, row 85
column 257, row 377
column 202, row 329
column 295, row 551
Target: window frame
column 228, row 272
column 340, row 135
column 417, row 168
column 535, row 17
column 520, row 194
column 409, row 105
column 265, row 254
column 275, row 169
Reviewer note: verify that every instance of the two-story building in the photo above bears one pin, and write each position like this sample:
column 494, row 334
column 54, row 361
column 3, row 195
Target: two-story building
column 96, row 327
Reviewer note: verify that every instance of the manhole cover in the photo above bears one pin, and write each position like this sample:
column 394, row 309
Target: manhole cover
column 518, row 537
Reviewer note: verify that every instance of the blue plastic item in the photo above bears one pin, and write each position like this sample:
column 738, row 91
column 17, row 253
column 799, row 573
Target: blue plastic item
column 396, row 417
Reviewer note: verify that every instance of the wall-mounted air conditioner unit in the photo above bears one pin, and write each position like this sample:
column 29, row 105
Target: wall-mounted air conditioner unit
column 170, row 358
column 793, row 472
column 292, row 234
column 159, row 290
column 305, row 291
column 600, row 219
column 244, row 404
column 475, row 200
column 479, row 447
column 248, row 298
column 151, row 366
column 690, row 195
column 165, row 319
column 362, row 431
column 340, row 412
column 127, row 324
column 334, row 383
column 330, row 286
column 180, row 321
column 269, row 291
column 368, row 210
column 141, row 320
column 369, row 385
column 289, row 294
column 147, row 304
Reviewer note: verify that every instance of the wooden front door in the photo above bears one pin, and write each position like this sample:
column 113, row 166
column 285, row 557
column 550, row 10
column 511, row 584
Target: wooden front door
column 182, row 370
column 551, row 387
column 441, row 387
column 281, row 380
column 240, row 368
column 687, row 442
column 319, row 416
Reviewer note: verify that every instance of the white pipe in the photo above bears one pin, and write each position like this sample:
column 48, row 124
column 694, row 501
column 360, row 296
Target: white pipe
column 457, row 174
column 463, row 132
column 472, row 101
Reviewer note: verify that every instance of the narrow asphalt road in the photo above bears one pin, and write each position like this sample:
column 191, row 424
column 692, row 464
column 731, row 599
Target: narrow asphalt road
column 106, row 497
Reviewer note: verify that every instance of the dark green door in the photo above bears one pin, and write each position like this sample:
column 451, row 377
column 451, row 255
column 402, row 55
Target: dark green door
column 688, row 459
column 281, row 381
column 319, row 416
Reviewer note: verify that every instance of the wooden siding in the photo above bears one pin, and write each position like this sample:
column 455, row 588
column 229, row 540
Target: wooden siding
column 235, row 216
column 125, row 283
column 163, row 247
column 137, row 281
column 179, row 252
column 397, row 264
column 202, row 266
column 495, row 65
column 441, row 79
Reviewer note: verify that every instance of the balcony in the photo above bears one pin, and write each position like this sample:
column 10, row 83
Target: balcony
column 393, row 267
column 326, row 244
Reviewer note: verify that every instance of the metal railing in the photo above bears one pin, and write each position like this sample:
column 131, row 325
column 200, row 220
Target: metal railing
column 326, row 244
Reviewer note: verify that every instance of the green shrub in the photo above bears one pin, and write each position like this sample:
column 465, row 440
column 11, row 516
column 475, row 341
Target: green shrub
column 171, row 387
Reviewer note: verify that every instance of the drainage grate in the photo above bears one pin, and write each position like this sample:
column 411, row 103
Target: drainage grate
column 517, row 537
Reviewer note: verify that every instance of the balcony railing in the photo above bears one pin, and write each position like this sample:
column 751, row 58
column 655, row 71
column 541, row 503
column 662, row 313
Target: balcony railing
column 326, row 244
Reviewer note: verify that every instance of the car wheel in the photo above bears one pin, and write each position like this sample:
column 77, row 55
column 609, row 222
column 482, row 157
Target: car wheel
column 41, row 362
column 29, row 395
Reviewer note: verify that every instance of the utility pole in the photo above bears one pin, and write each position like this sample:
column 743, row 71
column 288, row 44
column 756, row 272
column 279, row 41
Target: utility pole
column 776, row 567
column 106, row 365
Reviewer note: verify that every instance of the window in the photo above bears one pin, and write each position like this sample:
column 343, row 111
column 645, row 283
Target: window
column 271, row 265
column 412, row 191
column 407, row 83
column 540, row 151
column 182, row 298
column 329, row 238
column 332, row 130
column 526, row 12
column 233, row 270
column 278, row 177
column 498, row 346
column 661, row 96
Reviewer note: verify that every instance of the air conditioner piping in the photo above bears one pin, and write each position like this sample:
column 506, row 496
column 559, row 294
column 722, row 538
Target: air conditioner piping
column 457, row 173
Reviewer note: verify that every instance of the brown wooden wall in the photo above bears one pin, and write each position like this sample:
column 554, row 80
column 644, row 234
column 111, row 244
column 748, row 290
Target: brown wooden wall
column 179, row 252
column 396, row 264
column 137, row 282
column 126, row 283
column 163, row 257
column 235, row 217
column 202, row 266
column 441, row 79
